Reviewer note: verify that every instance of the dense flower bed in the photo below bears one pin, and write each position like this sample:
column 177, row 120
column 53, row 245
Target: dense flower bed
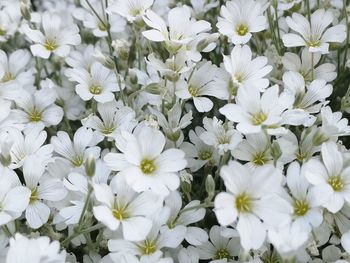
column 161, row 131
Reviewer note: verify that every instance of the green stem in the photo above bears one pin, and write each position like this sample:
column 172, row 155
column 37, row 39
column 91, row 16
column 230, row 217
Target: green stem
column 81, row 232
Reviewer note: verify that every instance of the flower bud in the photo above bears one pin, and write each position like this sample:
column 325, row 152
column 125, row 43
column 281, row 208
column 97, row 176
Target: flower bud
column 106, row 61
column 90, row 166
column 210, row 186
column 25, row 9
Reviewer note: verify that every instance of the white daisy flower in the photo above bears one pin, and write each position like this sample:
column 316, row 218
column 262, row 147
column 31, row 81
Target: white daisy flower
column 38, row 250
column 240, row 18
column 115, row 23
column 219, row 248
column 255, row 149
column 132, row 10
column 194, row 235
column 315, row 35
column 252, row 112
column 42, row 188
column 98, row 84
column 304, row 66
column 14, row 69
column 198, row 85
column 121, row 206
column 14, row 199
column 38, row 109
column 221, row 135
column 74, row 153
column 311, row 98
column 306, row 200
column 31, row 144
column 198, row 153
column 246, row 71
column 113, row 119
column 251, row 198
column 331, row 173
column 182, row 28
column 144, row 164
column 53, row 38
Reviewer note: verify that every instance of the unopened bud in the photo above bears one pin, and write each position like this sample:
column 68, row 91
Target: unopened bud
column 90, row 166
column 25, row 9
column 276, row 151
column 210, row 186
column 106, row 61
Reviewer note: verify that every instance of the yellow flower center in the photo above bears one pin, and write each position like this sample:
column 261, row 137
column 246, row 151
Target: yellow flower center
column 101, row 26
column 204, row 155
column 259, row 159
column 301, row 207
column 34, row 115
column 50, row 44
column 336, row 182
column 96, row 90
column 107, row 129
column 259, row 118
column 242, row 30
column 8, row 77
column 314, row 43
column 147, row 166
column 193, row 91
column 34, row 196
column 2, row 32
column 148, row 247
column 77, row 161
column 244, row 203
column 120, row 214
column 222, row 253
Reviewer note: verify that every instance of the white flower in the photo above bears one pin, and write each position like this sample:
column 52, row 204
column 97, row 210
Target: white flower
column 304, row 66
column 178, row 219
column 174, row 123
column 219, row 247
column 197, row 152
column 31, row 144
column 99, row 83
column 53, row 38
column 116, row 23
column 37, row 250
column 331, row 173
column 311, row 98
column 314, row 35
column 241, row 18
column 246, row 71
column 114, row 119
column 255, row 149
column 222, row 136
column 42, row 187
column 14, row 69
column 38, row 109
column 182, row 28
column 150, row 249
column 75, row 153
column 306, row 199
column 253, row 111
column 289, row 241
column 14, row 199
column 199, row 84
column 132, row 10
column 251, row 198
column 120, row 205
column 144, row 164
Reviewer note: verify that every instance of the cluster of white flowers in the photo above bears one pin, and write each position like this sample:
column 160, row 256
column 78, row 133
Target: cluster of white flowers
column 160, row 131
